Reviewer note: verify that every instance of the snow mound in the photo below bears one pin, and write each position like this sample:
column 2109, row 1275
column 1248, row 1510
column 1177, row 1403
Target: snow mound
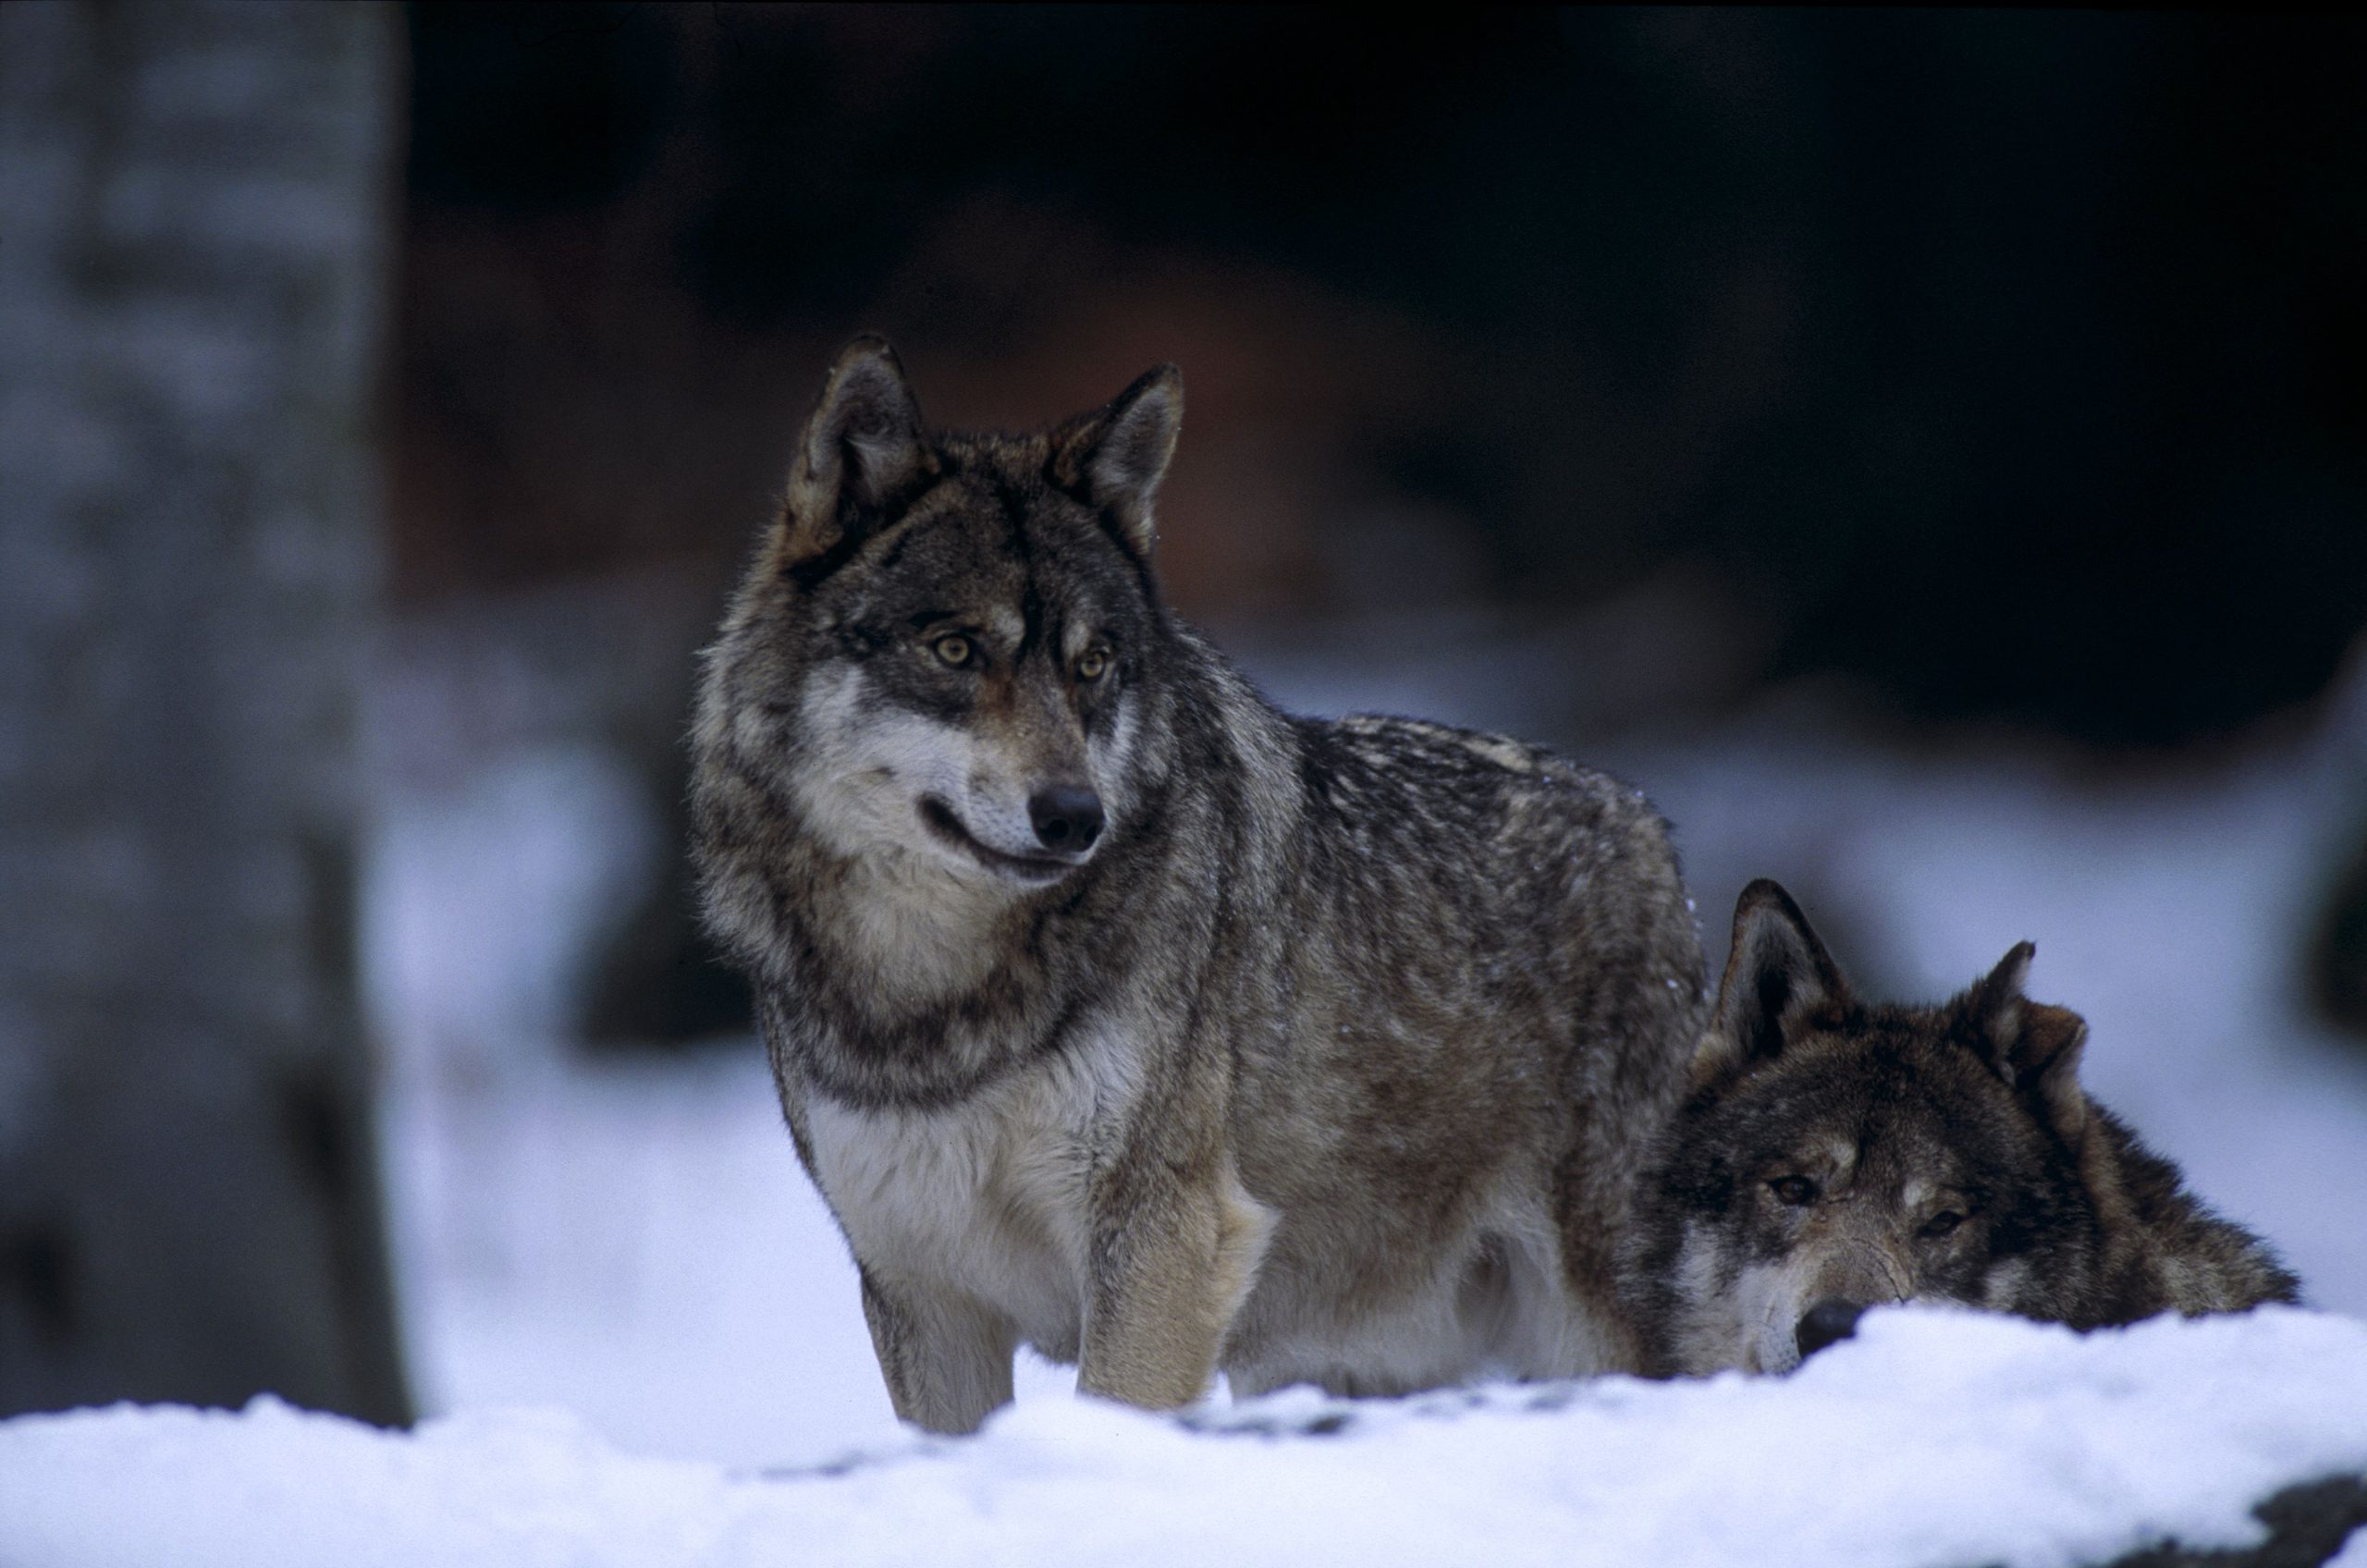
column 1935, row 1437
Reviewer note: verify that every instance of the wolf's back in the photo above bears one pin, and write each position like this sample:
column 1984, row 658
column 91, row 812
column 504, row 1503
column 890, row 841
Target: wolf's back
column 1482, row 958
column 2175, row 1252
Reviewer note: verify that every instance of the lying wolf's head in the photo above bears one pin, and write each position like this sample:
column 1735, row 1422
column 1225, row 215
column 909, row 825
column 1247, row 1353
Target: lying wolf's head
column 935, row 659
column 1836, row 1154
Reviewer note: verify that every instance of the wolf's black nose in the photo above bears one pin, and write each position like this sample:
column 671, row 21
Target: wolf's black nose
column 1066, row 818
column 1826, row 1322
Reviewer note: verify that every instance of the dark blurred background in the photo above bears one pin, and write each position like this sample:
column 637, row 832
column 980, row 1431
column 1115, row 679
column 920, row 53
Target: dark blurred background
column 1994, row 374
column 2013, row 367
column 2016, row 365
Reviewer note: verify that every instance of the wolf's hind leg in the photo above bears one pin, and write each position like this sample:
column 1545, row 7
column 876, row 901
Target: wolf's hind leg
column 946, row 1357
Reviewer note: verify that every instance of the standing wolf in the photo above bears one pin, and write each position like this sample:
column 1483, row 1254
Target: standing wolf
column 1117, row 1014
column 1835, row 1154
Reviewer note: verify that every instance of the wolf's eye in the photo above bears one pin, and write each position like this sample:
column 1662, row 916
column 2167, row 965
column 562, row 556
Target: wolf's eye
column 1941, row 1223
column 1095, row 663
column 1797, row 1191
column 954, row 650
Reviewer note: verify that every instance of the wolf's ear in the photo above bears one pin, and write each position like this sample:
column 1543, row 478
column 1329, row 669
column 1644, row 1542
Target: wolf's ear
column 861, row 448
column 1115, row 459
column 1777, row 972
column 2033, row 1047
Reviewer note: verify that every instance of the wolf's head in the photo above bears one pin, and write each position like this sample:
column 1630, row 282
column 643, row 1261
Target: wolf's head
column 938, row 658
column 1835, row 1155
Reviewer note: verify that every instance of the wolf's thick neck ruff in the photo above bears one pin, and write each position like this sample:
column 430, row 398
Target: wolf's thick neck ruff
column 900, row 977
column 891, row 979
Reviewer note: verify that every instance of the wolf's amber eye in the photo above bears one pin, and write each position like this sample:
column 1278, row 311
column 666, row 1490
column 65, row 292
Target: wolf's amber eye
column 955, row 650
column 1092, row 665
column 1941, row 1223
column 1797, row 1191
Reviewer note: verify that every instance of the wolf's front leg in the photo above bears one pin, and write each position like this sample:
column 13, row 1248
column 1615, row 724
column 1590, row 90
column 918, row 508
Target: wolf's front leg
column 1173, row 1259
column 946, row 1357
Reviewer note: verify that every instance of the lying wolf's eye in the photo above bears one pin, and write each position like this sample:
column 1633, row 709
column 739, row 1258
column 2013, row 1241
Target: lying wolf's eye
column 955, row 650
column 1941, row 1223
column 1794, row 1189
column 1092, row 665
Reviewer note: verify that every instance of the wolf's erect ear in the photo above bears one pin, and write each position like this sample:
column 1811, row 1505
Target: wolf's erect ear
column 1777, row 972
column 861, row 448
column 2033, row 1047
column 1115, row 459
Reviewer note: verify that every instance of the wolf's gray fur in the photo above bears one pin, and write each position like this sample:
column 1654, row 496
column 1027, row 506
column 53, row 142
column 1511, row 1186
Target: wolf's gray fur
column 1118, row 1013
column 1836, row 1154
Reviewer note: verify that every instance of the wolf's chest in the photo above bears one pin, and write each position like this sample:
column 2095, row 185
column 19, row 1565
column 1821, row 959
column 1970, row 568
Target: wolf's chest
column 987, row 1196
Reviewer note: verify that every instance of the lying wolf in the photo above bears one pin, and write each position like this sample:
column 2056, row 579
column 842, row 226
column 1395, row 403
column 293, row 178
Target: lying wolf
column 1837, row 1153
column 1118, row 1014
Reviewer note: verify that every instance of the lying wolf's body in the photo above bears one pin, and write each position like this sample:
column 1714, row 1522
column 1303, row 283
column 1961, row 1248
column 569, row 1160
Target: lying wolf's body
column 1116, row 1012
column 1835, row 1155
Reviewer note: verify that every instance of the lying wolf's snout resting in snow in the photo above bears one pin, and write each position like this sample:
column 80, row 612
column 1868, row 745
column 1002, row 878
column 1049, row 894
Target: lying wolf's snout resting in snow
column 1117, row 1014
column 1836, row 1154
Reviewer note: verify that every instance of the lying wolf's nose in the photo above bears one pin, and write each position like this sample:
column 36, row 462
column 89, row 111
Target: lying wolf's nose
column 1066, row 818
column 1826, row 1322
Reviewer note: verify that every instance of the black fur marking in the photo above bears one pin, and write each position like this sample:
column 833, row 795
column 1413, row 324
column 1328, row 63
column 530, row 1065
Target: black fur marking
column 894, row 553
column 811, row 572
column 1763, row 1036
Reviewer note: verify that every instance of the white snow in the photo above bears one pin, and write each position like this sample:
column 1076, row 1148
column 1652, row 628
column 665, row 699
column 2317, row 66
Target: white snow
column 627, row 1309
column 1934, row 1438
column 633, row 1240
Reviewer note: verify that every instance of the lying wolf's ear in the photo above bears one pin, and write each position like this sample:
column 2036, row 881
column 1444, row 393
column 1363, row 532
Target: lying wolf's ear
column 861, row 449
column 1114, row 460
column 2033, row 1047
column 1777, row 974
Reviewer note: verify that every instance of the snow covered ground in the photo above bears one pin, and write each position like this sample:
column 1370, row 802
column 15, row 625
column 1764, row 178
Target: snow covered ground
column 1933, row 1439
column 630, row 1238
column 625, row 1245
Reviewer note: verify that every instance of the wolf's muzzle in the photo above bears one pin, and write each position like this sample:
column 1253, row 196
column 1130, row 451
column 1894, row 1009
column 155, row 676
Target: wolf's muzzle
column 1038, row 869
column 1067, row 819
column 1827, row 1322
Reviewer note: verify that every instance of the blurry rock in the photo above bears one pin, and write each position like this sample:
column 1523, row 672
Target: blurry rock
column 2338, row 957
column 576, row 692
column 659, row 981
column 2306, row 1524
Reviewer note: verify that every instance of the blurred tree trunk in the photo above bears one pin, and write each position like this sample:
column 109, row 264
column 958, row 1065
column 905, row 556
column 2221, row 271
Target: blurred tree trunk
column 192, row 239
